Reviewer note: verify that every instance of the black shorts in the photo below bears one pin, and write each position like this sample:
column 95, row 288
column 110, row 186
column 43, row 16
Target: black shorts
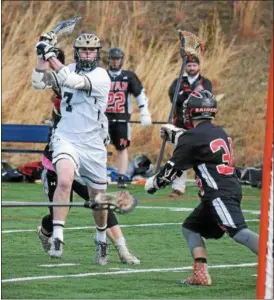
column 120, row 135
column 213, row 218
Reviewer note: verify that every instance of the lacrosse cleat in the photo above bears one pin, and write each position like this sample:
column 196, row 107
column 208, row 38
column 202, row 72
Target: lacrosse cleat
column 176, row 193
column 43, row 238
column 200, row 275
column 56, row 247
column 121, row 182
column 101, row 252
column 126, row 257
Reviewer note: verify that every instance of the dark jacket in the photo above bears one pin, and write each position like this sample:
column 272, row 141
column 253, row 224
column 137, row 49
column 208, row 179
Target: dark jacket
column 185, row 89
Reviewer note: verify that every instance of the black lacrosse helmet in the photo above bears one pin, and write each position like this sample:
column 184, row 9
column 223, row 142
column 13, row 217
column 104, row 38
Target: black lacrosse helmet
column 199, row 105
column 115, row 53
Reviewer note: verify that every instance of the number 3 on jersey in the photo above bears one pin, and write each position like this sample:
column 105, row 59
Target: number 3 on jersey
column 68, row 97
column 227, row 158
column 116, row 102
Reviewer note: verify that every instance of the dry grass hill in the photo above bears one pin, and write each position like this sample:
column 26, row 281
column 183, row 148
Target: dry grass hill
column 237, row 37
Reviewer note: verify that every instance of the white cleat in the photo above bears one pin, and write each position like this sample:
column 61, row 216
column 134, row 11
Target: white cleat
column 43, row 238
column 126, row 257
column 56, row 247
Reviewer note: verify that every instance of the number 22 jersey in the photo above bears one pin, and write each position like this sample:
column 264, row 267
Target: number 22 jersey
column 122, row 85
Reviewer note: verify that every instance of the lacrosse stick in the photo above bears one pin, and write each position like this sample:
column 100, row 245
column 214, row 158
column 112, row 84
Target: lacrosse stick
column 189, row 46
column 121, row 202
column 66, row 26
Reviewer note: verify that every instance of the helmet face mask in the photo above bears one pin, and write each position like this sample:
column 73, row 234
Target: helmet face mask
column 84, row 55
column 115, row 59
column 200, row 105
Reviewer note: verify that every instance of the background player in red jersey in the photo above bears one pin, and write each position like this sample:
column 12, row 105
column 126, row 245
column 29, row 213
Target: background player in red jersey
column 123, row 85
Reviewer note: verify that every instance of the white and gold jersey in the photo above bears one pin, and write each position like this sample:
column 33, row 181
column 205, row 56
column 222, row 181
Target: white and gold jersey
column 83, row 111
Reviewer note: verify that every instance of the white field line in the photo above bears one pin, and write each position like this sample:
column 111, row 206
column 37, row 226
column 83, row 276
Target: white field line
column 59, row 265
column 20, row 279
column 123, row 226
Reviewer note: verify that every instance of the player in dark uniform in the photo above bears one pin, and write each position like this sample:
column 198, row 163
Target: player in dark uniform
column 191, row 81
column 208, row 150
column 123, row 84
column 49, row 180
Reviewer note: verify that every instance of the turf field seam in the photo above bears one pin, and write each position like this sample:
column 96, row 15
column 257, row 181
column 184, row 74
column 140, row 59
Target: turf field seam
column 123, row 272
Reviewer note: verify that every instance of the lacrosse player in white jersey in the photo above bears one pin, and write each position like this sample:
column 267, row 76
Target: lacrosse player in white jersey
column 78, row 145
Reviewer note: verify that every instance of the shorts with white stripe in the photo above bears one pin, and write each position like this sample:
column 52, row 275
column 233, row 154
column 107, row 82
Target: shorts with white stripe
column 213, row 218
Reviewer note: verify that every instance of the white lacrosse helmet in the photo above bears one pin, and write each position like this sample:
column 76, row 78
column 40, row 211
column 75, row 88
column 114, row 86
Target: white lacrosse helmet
column 87, row 40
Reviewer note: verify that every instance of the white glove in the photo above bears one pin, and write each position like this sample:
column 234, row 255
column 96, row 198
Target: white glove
column 151, row 185
column 171, row 132
column 45, row 50
column 49, row 37
column 145, row 117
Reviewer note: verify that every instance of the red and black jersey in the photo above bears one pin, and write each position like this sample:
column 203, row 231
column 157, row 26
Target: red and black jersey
column 119, row 103
column 208, row 150
column 185, row 90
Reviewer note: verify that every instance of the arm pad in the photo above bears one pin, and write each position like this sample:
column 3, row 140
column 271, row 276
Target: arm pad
column 73, row 80
column 42, row 80
column 142, row 100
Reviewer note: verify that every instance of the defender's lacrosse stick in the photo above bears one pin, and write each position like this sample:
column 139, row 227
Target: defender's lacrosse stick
column 66, row 26
column 121, row 202
column 189, row 46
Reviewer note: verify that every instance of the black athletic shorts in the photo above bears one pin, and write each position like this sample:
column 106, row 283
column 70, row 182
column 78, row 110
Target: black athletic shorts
column 120, row 135
column 213, row 218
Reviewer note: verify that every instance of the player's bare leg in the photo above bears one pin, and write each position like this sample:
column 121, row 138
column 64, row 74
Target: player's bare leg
column 100, row 218
column 196, row 245
column 116, row 236
column 122, row 165
column 65, row 173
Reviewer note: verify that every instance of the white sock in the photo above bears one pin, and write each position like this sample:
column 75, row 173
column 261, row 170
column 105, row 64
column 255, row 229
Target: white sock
column 120, row 242
column 101, row 234
column 58, row 230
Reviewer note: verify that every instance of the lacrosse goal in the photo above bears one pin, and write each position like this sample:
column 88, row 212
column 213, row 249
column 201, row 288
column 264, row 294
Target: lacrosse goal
column 265, row 257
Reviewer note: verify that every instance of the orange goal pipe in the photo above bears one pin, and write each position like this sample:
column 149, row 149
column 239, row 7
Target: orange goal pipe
column 266, row 181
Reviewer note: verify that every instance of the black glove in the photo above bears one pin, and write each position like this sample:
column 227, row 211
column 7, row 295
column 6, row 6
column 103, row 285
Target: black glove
column 45, row 50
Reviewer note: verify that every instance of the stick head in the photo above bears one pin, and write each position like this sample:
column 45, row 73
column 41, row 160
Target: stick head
column 67, row 26
column 121, row 202
column 190, row 43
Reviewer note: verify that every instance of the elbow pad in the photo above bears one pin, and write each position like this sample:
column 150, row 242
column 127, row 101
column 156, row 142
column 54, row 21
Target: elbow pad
column 71, row 79
column 142, row 100
column 38, row 82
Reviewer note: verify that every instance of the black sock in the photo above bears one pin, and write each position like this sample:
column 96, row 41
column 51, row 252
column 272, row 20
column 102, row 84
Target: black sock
column 201, row 260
